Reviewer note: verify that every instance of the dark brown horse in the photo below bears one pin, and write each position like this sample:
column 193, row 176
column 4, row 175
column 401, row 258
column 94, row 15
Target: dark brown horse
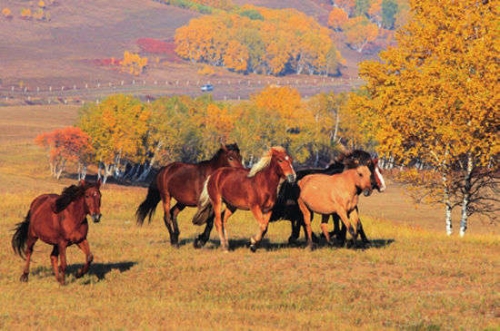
column 286, row 207
column 333, row 194
column 59, row 220
column 184, row 183
column 255, row 190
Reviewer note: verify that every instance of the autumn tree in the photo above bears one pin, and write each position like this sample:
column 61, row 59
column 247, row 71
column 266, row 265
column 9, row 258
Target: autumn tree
column 337, row 18
column 359, row 31
column 259, row 40
column 118, row 127
column 436, row 96
column 133, row 63
column 65, row 146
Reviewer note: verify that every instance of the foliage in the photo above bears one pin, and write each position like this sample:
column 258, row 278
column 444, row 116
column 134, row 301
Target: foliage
column 67, row 145
column 361, row 21
column 436, row 95
column 118, row 127
column 133, row 63
column 6, row 12
column 259, row 40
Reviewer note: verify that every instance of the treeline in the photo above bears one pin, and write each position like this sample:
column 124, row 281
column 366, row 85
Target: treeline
column 126, row 137
column 260, row 40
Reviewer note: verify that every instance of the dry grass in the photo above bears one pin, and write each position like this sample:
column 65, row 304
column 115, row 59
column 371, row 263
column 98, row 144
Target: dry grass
column 412, row 279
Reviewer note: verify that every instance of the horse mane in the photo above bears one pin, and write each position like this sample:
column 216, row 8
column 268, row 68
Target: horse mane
column 265, row 160
column 353, row 159
column 229, row 147
column 70, row 194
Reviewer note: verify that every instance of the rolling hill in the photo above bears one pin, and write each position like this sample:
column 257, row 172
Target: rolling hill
column 74, row 48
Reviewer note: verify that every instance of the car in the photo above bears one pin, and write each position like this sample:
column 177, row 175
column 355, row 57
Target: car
column 207, row 88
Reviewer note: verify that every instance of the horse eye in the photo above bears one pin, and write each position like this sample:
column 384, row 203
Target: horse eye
column 230, row 158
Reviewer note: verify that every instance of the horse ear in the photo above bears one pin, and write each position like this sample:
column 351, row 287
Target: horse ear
column 98, row 184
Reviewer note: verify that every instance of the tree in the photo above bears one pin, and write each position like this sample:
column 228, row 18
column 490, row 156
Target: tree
column 67, row 145
column 133, row 63
column 359, row 31
column 436, row 97
column 118, row 127
column 337, row 18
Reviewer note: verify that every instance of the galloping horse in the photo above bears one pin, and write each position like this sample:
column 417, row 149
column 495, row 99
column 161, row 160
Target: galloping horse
column 255, row 190
column 286, row 207
column 333, row 194
column 184, row 183
column 59, row 220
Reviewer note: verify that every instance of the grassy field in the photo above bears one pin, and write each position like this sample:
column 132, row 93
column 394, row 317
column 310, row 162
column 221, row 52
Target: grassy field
column 413, row 278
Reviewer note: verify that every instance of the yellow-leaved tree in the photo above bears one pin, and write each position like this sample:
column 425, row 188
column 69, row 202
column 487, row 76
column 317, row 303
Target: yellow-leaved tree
column 436, row 97
column 118, row 128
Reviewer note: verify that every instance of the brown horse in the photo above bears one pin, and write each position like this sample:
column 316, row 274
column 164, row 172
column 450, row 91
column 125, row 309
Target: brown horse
column 255, row 190
column 184, row 183
column 59, row 220
column 335, row 194
column 286, row 207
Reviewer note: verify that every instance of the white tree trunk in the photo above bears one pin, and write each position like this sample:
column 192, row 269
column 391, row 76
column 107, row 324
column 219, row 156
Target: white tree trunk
column 467, row 193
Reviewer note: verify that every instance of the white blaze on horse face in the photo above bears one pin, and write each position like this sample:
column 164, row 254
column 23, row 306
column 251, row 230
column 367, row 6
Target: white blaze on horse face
column 381, row 179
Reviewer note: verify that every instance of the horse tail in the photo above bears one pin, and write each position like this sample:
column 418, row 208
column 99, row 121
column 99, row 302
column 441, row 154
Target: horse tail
column 205, row 210
column 148, row 206
column 20, row 236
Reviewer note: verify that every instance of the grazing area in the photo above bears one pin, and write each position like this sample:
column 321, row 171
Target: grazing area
column 413, row 277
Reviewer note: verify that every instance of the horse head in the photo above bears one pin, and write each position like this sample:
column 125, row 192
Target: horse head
column 363, row 180
column 284, row 164
column 358, row 157
column 231, row 156
column 92, row 198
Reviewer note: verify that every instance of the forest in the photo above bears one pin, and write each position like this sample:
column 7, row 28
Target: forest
column 250, row 39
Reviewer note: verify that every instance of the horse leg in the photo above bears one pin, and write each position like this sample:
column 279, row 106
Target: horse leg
column 167, row 219
column 62, row 257
column 324, row 228
column 361, row 232
column 30, row 243
column 54, row 259
column 220, row 224
column 345, row 219
column 307, row 214
column 294, row 236
column 202, row 239
column 174, row 212
column 85, row 247
column 336, row 226
column 263, row 220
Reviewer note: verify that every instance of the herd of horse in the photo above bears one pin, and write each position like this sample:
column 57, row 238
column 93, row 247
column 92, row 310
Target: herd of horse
column 271, row 189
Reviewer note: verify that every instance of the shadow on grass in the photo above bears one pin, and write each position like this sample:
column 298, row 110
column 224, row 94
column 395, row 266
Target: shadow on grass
column 214, row 244
column 101, row 269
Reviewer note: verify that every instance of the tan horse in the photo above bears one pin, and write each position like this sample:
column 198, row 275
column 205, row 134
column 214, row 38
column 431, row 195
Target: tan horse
column 335, row 194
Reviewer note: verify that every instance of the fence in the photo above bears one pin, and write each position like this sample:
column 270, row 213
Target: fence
column 224, row 89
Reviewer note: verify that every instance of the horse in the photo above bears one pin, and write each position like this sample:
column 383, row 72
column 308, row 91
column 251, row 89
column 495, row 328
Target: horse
column 184, row 183
column 333, row 194
column 286, row 207
column 60, row 221
column 252, row 189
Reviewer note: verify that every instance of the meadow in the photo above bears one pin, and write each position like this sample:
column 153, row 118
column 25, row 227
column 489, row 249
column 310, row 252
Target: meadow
column 412, row 278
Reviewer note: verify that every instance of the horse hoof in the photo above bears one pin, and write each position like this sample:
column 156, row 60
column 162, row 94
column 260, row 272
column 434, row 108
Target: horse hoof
column 293, row 241
column 24, row 278
column 253, row 248
column 313, row 246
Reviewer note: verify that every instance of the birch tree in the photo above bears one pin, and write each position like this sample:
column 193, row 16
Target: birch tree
column 436, row 96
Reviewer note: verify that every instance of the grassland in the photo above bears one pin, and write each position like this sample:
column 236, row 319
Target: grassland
column 413, row 278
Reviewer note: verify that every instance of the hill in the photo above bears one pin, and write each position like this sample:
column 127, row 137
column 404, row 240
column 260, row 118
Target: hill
column 76, row 46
